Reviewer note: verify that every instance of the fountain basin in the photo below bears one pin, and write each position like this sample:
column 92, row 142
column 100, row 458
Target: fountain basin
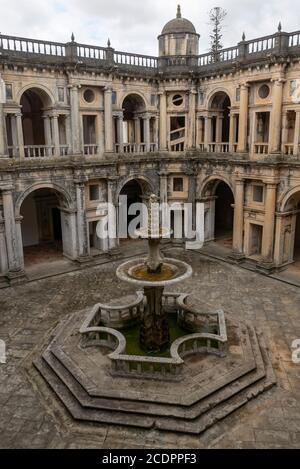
column 135, row 272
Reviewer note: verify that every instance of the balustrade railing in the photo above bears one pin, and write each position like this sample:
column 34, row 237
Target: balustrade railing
column 288, row 148
column 261, row 148
column 279, row 41
column 91, row 149
column 39, row 151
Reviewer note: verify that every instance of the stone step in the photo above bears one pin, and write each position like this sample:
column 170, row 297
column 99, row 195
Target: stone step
column 159, row 411
column 195, row 426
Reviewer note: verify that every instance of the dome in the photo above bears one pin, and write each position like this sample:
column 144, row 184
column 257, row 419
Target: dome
column 179, row 25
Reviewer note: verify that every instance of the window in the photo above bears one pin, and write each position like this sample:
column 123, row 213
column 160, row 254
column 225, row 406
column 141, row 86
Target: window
column 94, row 192
column 61, row 94
column 177, row 100
column 89, row 96
column 114, row 97
column 9, row 93
column 258, row 193
column 264, row 91
column 201, row 97
column 178, row 184
column 153, row 100
column 238, row 94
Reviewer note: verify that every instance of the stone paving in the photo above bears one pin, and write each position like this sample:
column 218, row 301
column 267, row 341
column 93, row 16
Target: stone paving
column 30, row 416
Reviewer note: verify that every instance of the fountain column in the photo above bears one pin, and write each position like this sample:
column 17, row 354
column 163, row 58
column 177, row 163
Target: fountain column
column 154, row 330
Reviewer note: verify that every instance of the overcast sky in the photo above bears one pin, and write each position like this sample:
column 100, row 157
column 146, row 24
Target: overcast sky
column 133, row 25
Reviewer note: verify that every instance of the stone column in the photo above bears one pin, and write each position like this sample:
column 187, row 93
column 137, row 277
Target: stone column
column 3, row 149
column 163, row 192
column 199, row 131
column 55, row 134
column 191, row 124
column 20, row 134
column 284, row 131
column 120, row 133
column 112, row 214
column 3, row 251
column 47, row 130
column 14, row 247
column 83, row 247
column 232, row 132
column 68, row 133
column 108, row 120
column 75, row 125
column 238, row 219
column 219, row 126
column 275, row 126
column 243, row 122
column 269, row 223
column 207, row 132
column 163, row 122
column 146, row 121
column 137, row 132
column 297, row 134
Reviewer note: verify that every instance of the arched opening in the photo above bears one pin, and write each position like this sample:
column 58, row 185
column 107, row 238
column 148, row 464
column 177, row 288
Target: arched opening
column 46, row 233
column 33, row 102
column 224, row 214
column 291, row 231
column 218, row 221
column 220, row 122
column 133, row 132
column 135, row 190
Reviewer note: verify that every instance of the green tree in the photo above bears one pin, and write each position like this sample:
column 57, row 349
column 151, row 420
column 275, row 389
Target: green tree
column 216, row 19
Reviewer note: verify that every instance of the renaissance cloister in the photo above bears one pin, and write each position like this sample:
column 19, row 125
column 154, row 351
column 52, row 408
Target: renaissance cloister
column 81, row 124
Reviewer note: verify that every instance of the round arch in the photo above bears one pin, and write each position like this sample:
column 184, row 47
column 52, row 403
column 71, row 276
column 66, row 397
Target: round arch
column 215, row 92
column 134, row 94
column 146, row 184
column 46, row 185
column 213, row 182
column 286, row 196
column 42, row 91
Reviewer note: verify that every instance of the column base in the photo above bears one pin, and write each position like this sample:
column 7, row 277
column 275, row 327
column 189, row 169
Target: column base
column 237, row 257
column 266, row 267
column 114, row 252
column 84, row 259
column 16, row 277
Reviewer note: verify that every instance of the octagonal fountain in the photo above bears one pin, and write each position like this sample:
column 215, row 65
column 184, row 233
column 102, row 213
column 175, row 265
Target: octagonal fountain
column 154, row 273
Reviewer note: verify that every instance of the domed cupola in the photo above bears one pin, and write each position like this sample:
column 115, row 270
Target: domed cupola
column 178, row 37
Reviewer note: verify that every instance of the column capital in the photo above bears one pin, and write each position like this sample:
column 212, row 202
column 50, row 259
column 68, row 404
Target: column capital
column 163, row 173
column 74, row 86
column 108, row 89
column 7, row 188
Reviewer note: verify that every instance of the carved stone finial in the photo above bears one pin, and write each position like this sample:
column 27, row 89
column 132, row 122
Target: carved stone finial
column 72, row 37
column 279, row 27
column 178, row 11
column 108, row 42
column 243, row 36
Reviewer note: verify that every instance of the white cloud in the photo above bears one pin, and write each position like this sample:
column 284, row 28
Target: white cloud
column 133, row 25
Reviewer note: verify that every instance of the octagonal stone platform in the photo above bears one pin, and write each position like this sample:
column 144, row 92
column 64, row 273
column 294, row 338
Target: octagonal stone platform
column 212, row 387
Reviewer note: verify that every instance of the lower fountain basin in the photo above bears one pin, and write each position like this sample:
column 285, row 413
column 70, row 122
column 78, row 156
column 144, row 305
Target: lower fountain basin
column 172, row 271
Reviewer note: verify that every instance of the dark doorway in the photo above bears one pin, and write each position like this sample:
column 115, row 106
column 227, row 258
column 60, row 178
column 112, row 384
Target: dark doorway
column 224, row 213
column 56, row 220
column 133, row 191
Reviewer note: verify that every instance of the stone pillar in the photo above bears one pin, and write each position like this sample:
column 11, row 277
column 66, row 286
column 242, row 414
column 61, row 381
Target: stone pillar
column 12, row 234
column 55, row 134
column 238, row 219
column 275, row 126
column 269, row 223
column 232, row 132
column 3, row 149
column 191, row 124
column 243, row 122
column 163, row 122
column 3, row 251
column 284, row 131
column 207, row 132
column 199, row 131
column 20, row 134
column 75, row 125
column 120, row 133
column 47, row 130
column 112, row 214
column 146, row 121
column 137, row 131
column 219, row 126
column 108, row 120
column 68, row 133
column 297, row 134
column 83, row 248
column 163, row 192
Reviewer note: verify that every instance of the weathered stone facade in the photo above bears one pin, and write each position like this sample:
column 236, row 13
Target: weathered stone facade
column 78, row 122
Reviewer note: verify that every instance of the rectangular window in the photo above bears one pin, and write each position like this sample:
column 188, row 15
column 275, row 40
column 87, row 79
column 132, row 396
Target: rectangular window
column 94, row 192
column 258, row 193
column 9, row 93
column 114, row 97
column 61, row 94
column 237, row 94
column 153, row 100
column 178, row 184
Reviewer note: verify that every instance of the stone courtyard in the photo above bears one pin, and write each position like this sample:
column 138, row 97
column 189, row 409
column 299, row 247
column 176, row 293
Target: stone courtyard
column 31, row 416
